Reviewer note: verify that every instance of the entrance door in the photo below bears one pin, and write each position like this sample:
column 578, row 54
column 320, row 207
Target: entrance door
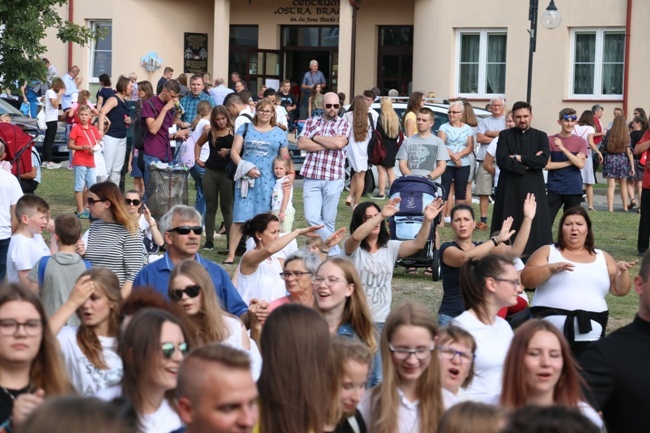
column 265, row 68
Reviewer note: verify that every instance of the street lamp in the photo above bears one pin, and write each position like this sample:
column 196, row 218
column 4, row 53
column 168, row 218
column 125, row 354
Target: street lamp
column 551, row 19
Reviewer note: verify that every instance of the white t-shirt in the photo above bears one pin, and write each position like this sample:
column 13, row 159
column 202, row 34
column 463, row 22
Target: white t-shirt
column 51, row 112
column 489, row 123
column 265, row 283
column 278, row 195
column 408, row 420
column 492, row 344
column 88, row 379
column 492, row 150
column 376, row 273
column 281, row 116
column 23, row 254
column 235, row 340
column 10, row 193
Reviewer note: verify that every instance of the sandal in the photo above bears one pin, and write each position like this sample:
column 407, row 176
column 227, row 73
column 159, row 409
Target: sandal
column 412, row 271
column 632, row 205
column 348, row 201
column 428, row 272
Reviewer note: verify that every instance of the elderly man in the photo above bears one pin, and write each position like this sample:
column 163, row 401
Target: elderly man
column 324, row 139
column 191, row 101
column 70, row 87
column 216, row 392
column 219, row 91
column 488, row 129
column 181, row 228
column 312, row 77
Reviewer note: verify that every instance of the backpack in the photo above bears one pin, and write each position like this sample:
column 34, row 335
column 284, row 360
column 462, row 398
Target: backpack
column 376, row 149
column 140, row 125
column 43, row 264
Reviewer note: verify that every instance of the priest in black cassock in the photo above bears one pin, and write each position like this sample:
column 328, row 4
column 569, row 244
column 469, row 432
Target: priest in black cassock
column 522, row 153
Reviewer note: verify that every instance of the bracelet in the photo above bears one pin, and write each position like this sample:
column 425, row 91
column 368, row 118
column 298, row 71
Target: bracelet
column 324, row 251
column 495, row 241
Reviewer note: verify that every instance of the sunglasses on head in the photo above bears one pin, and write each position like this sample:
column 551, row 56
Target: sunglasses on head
column 570, row 117
column 332, row 106
column 191, row 292
column 168, row 349
column 134, row 202
column 185, row 230
column 91, row 201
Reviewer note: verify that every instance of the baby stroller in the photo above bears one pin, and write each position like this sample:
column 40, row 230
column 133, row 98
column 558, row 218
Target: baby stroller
column 416, row 193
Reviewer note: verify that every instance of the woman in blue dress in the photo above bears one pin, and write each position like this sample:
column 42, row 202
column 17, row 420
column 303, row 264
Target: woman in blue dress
column 261, row 141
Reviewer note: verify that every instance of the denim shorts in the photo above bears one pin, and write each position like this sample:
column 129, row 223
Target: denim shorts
column 83, row 177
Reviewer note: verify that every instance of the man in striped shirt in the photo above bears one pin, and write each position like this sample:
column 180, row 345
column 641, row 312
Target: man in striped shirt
column 324, row 138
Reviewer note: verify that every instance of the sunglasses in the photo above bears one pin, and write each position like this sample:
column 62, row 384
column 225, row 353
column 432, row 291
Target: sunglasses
column 570, row 117
column 91, row 201
column 185, row 230
column 134, row 202
column 168, row 349
column 337, row 106
column 191, row 292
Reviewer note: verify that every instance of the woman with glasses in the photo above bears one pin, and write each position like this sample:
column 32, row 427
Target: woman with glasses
column 151, row 235
column 152, row 349
column 342, row 302
column 258, row 274
column 299, row 268
column 90, row 350
column 540, row 371
column 456, row 351
column 409, row 399
column 487, row 286
column 191, row 288
column 114, row 241
column 261, row 141
column 571, row 280
column 459, row 139
column 30, row 366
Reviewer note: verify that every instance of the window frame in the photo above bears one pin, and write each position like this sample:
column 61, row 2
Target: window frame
column 598, row 63
column 482, row 61
column 92, row 24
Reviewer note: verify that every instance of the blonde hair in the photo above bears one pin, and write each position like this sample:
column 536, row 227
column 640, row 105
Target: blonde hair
column 470, row 417
column 388, row 119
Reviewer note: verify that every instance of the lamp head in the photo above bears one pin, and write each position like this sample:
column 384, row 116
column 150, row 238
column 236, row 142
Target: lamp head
column 551, row 18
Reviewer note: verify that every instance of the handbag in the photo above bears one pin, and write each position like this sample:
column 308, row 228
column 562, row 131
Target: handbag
column 376, row 149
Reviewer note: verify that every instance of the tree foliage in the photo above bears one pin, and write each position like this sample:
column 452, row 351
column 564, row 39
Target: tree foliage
column 25, row 24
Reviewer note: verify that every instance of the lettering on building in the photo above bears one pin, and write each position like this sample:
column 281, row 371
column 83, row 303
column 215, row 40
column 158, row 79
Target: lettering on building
column 310, row 11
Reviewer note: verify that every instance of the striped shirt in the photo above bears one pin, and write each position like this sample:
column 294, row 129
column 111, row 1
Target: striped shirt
column 325, row 164
column 112, row 246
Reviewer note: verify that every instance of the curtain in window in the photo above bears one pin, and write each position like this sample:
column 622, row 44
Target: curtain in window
column 584, row 67
column 613, row 52
column 469, row 55
column 496, row 64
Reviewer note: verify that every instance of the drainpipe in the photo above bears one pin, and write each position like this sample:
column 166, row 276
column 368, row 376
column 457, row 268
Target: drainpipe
column 353, row 51
column 71, row 19
column 626, row 62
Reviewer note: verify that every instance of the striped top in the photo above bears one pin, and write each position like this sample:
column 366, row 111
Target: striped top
column 110, row 245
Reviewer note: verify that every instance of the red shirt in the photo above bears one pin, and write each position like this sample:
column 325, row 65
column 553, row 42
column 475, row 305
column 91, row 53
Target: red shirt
column 84, row 137
column 645, row 183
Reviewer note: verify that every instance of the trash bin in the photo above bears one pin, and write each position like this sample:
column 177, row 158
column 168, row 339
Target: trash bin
column 167, row 187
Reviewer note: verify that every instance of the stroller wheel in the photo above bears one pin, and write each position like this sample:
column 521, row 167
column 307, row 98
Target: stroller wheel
column 435, row 266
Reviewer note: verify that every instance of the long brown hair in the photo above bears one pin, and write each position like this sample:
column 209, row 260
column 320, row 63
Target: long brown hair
column 514, row 393
column 469, row 117
column 208, row 326
column 47, row 369
column 111, row 192
column 219, row 109
column 473, row 275
column 429, row 389
column 618, row 137
column 106, row 281
column 296, row 385
column 359, row 118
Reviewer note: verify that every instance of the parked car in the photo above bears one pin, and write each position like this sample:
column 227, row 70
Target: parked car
column 30, row 126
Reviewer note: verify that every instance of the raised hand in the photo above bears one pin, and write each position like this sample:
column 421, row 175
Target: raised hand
column 391, row 207
column 530, row 206
column 309, row 231
column 335, row 237
column 433, row 209
column 505, row 233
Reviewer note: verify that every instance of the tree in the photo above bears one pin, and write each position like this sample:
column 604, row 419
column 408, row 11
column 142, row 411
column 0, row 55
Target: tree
column 24, row 25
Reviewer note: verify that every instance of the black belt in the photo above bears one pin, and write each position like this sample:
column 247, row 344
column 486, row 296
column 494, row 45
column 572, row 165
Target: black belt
column 584, row 319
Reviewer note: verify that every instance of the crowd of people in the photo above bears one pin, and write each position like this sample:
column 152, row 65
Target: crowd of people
column 306, row 338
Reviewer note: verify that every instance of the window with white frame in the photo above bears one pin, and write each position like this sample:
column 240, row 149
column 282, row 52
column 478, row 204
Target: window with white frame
column 101, row 50
column 597, row 57
column 481, row 62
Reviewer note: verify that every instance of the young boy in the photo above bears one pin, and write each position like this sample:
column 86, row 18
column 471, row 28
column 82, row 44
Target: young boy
column 83, row 139
column 27, row 244
column 55, row 276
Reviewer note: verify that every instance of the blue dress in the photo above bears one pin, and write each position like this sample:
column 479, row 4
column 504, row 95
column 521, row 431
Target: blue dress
column 259, row 148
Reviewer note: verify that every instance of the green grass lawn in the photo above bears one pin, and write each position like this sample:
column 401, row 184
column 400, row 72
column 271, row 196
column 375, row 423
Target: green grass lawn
column 615, row 233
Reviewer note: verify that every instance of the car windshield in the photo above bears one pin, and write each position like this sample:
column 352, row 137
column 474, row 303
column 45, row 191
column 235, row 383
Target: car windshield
column 7, row 108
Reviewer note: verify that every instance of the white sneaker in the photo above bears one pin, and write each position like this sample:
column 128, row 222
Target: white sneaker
column 44, row 165
column 53, row 166
column 448, row 220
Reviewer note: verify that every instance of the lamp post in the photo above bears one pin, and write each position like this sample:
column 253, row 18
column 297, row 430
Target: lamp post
column 550, row 19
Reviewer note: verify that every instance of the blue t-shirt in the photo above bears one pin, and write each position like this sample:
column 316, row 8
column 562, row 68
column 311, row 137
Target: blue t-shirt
column 456, row 140
column 567, row 180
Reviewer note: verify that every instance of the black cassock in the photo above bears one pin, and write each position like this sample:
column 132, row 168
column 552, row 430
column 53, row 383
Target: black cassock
column 520, row 178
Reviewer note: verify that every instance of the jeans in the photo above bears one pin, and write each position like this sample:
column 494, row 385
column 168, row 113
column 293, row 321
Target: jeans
column 218, row 190
column 321, row 199
column 4, row 248
column 114, row 152
column 197, row 175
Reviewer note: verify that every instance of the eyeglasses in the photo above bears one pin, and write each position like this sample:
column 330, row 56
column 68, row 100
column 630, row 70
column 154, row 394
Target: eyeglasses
column 168, row 349
column 514, row 282
column 402, row 354
column 264, row 111
column 296, row 275
column 570, row 117
column 329, row 281
column 450, row 353
column 9, row 327
column 185, row 230
column 191, row 292
column 134, row 202
column 328, row 106
column 91, row 201
column 454, row 112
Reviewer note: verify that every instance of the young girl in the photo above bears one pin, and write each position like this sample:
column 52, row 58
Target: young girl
column 456, row 350
column 315, row 107
column 282, row 198
column 90, row 350
column 409, row 399
column 83, row 98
